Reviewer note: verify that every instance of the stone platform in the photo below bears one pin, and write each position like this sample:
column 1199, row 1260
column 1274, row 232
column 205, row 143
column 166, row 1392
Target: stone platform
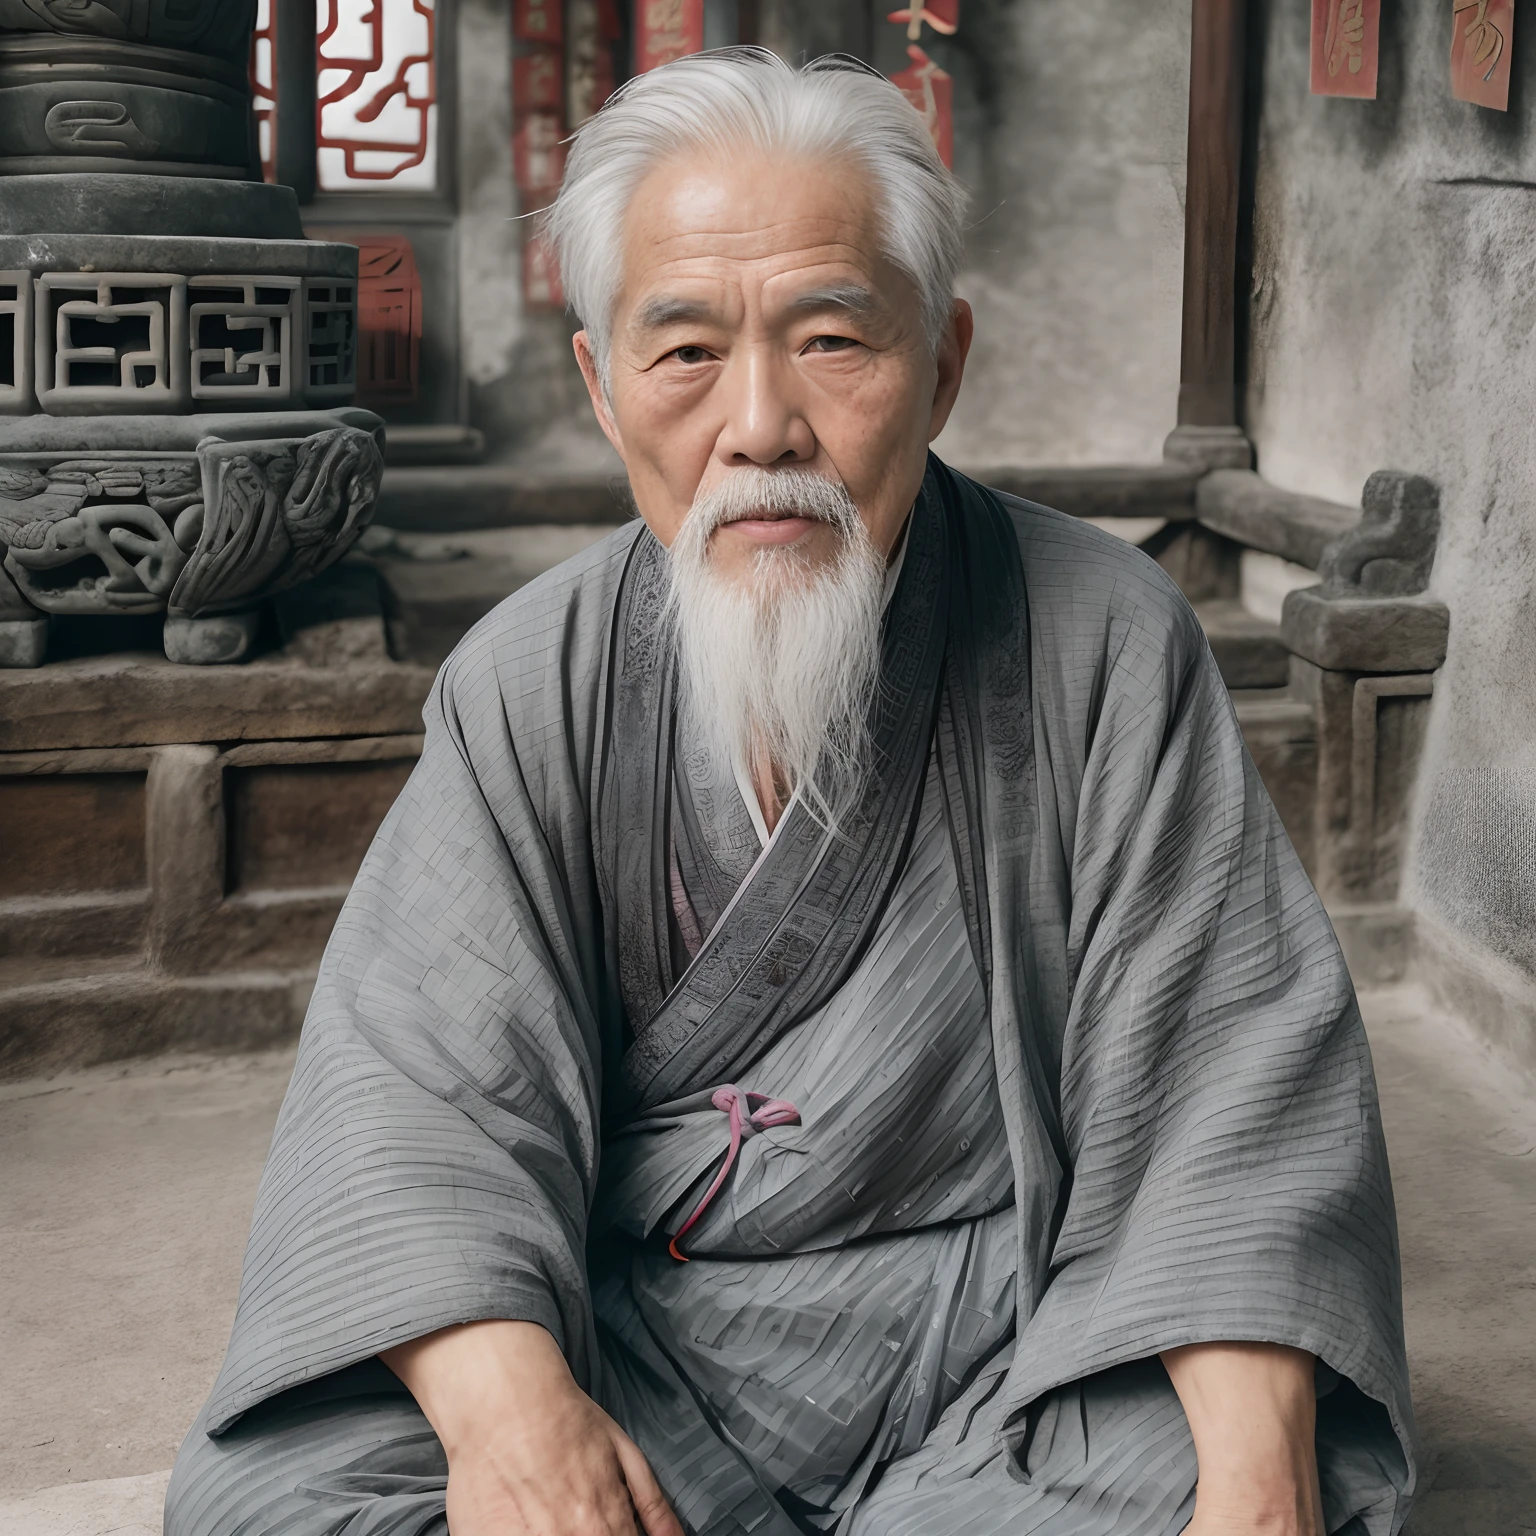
column 179, row 841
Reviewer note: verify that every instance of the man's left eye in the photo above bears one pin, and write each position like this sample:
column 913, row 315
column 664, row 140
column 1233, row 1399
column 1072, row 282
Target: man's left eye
column 830, row 344
column 690, row 354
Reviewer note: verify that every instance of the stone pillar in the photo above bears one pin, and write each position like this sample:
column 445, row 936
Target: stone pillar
column 177, row 361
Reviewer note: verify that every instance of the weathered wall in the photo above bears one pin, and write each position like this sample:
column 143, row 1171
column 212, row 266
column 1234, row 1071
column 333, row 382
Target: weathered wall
column 1071, row 130
column 1393, row 304
column 1070, row 133
column 524, row 390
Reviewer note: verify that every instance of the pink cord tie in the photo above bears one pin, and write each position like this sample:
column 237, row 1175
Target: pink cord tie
column 750, row 1113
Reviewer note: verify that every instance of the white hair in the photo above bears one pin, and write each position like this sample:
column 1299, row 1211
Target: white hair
column 786, row 662
column 832, row 108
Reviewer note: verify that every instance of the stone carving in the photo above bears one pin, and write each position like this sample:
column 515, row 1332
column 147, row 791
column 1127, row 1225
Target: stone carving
column 276, row 513
column 330, row 319
column 1390, row 551
column 133, row 342
column 242, row 332
column 111, row 342
column 103, row 104
column 177, row 362
column 1370, row 612
column 219, row 29
column 189, row 535
column 97, row 536
column 15, row 340
column 96, row 126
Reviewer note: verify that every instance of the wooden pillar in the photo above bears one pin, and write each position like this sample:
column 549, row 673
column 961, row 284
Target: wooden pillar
column 1208, row 431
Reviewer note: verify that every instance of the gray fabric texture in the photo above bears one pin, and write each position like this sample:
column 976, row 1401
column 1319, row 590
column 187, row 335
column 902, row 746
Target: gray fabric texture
column 1178, row 1076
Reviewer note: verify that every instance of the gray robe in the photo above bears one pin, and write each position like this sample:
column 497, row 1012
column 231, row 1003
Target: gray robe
column 1118, row 1099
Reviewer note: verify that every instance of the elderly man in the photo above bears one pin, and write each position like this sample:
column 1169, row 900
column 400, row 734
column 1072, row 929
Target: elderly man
column 832, row 1036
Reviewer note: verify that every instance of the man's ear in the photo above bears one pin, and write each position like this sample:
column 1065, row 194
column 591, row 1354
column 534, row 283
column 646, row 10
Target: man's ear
column 588, row 365
column 953, row 350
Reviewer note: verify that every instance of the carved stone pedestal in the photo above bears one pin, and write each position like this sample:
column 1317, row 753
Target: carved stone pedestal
column 180, row 439
column 179, row 459
column 177, row 362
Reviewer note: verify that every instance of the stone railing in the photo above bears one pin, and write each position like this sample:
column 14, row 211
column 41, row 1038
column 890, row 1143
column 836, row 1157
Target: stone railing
column 1334, row 700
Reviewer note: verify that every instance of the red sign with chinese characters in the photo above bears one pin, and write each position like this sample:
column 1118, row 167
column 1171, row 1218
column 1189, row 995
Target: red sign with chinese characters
column 1482, row 43
column 1346, row 37
column 536, row 83
column 538, row 157
column 388, row 321
column 666, row 30
column 932, row 92
column 538, row 121
column 536, row 21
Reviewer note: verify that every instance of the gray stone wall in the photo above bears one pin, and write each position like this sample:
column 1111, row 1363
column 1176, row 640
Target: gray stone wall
column 1071, row 136
column 524, row 390
column 1392, row 316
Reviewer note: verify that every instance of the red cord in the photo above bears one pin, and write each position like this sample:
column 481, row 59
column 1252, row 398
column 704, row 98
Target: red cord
column 762, row 1114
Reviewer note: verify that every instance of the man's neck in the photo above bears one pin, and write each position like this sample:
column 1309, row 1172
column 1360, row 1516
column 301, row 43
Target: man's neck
column 769, row 787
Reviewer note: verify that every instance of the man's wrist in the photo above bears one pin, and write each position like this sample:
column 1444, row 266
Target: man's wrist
column 1232, row 1509
column 473, row 1375
column 1252, row 1413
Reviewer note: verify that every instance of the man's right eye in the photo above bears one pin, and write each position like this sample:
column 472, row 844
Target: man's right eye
column 690, row 354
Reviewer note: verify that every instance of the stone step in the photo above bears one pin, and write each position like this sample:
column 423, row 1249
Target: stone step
column 439, row 586
column 1248, row 649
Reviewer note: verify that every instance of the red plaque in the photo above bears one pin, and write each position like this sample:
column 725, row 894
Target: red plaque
column 536, row 82
column 932, row 92
column 388, row 321
column 538, row 156
column 1345, row 44
column 1482, row 41
column 536, row 21
column 666, row 30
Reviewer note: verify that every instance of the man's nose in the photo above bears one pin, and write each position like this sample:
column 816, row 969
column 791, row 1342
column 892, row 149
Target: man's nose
column 764, row 421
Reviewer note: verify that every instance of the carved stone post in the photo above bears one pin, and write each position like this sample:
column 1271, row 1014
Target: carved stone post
column 1365, row 646
column 176, row 361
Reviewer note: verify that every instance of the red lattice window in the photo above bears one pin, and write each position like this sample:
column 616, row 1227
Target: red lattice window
column 376, row 112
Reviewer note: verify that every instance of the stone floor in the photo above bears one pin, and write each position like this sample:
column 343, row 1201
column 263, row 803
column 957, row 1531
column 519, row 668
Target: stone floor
column 127, row 1192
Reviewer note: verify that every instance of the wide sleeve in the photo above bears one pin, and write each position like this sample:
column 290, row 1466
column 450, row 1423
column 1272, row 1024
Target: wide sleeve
column 1227, row 1174
column 434, row 1158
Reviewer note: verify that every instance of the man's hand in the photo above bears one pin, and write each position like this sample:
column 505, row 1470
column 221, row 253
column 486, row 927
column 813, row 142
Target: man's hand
column 529, row 1453
column 1252, row 1410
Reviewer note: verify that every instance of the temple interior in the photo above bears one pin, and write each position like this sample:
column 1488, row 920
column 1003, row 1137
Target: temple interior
column 288, row 404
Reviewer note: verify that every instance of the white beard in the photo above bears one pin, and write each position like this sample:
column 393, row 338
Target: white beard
column 786, row 660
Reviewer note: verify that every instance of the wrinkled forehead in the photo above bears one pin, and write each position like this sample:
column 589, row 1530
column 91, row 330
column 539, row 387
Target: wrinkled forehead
column 768, row 229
